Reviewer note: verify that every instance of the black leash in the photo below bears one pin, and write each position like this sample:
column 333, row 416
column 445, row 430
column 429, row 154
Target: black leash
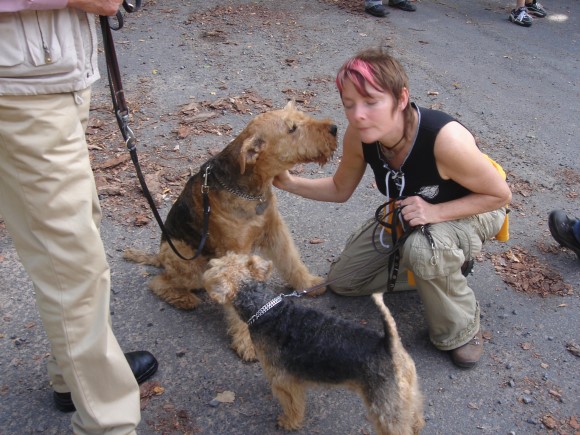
column 389, row 217
column 122, row 115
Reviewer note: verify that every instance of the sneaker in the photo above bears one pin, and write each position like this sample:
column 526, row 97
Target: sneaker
column 468, row 355
column 561, row 228
column 377, row 10
column 405, row 5
column 520, row 16
column 536, row 9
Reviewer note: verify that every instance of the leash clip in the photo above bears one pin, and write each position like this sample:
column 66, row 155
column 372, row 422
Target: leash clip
column 294, row 294
column 205, row 186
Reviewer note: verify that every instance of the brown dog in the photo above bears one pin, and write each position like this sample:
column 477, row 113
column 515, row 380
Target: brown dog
column 244, row 217
column 299, row 347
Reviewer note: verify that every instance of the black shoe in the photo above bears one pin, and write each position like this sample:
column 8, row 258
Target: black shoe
column 405, row 5
column 63, row 402
column 143, row 365
column 377, row 10
column 561, row 228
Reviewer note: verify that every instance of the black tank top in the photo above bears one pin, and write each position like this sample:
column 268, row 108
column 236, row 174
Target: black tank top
column 418, row 174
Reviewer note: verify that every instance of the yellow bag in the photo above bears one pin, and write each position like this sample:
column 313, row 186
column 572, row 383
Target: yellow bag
column 504, row 232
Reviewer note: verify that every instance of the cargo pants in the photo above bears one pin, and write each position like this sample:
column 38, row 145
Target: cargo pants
column 451, row 309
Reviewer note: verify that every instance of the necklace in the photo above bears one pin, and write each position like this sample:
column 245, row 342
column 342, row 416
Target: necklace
column 389, row 152
column 393, row 146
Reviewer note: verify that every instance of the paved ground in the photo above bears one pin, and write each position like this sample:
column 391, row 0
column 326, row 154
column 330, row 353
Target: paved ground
column 517, row 89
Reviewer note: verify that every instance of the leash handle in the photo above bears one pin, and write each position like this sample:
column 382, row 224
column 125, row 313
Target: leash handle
column 122, row 114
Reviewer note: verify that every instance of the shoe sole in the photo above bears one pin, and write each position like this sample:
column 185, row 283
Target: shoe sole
column 377, row 15
column 465, row 365
column 519, row 23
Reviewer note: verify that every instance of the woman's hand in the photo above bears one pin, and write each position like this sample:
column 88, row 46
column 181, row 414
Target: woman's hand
column 97, row 7
column 282, row 180
column 416, row 211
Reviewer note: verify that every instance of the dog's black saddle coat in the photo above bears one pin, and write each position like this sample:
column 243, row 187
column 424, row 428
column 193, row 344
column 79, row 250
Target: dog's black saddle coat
column 311, row 344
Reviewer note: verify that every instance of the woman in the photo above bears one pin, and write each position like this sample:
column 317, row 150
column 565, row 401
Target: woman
column 440, row 182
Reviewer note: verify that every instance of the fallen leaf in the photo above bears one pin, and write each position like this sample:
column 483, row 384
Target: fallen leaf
column 526, row 346
column 315, row 241
column 110, row 163
column 573, row 348
column 549, row 421
column 226, row 397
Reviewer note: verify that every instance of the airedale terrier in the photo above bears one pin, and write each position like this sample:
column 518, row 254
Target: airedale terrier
column 243, row 214
column 299, row 346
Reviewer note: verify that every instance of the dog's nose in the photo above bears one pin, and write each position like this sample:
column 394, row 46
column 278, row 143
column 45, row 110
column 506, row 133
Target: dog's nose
column 333, row 129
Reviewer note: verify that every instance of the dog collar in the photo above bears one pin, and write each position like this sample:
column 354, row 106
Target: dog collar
column 260, row 198
column 268, row 306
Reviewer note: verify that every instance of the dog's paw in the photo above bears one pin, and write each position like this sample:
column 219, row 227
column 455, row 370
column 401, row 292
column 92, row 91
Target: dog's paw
column 315, row 281
column 246, row 353
column 286, row 423
column 184, row 300
column 186, row 303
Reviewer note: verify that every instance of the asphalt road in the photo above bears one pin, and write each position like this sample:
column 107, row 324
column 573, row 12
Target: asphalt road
column 516, row 88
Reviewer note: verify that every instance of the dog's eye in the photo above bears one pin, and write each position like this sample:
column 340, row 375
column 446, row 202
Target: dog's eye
column 293, row 128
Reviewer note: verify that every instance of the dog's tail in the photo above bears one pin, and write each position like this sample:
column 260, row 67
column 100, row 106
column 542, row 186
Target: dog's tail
column 142, row 257
column 395, row 345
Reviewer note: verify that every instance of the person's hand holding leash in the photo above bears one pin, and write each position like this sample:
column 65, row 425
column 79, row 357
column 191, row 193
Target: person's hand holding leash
column 97, row 7
column 416, row 211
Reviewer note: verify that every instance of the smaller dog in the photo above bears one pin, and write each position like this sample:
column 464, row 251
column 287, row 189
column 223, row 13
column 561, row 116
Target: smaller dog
column 298, row 346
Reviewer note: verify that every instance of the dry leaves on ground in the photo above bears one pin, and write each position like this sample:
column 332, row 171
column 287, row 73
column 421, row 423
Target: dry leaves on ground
column 525, row 273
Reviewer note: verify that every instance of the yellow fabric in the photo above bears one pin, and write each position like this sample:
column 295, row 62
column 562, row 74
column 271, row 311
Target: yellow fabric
column 504, row 232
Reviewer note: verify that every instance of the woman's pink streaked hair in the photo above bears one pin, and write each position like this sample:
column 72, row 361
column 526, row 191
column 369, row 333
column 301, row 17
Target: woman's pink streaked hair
column 378, row 69
column 359, row 72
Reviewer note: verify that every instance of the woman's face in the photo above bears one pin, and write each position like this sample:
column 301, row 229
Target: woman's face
column 373, row 116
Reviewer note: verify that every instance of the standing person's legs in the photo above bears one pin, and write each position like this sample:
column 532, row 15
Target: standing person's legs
column 49, row 203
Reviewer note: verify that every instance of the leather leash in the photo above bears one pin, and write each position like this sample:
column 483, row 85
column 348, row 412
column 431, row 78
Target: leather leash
column 122, row 115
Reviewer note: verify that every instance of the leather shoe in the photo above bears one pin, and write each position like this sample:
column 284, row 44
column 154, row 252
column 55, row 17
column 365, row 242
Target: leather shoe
column 377, row 10
column 405, row 5
column 468, row 355
column 143, row 365
column 561, row 228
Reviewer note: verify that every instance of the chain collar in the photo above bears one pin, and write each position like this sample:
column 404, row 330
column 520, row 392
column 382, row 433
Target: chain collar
column 259, row 198
column 269, row 305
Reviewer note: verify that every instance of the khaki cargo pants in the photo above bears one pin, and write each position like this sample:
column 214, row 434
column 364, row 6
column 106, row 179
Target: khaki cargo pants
column 451, row 310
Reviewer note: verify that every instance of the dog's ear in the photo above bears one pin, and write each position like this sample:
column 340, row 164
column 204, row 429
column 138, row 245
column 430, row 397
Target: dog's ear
column 291, row 105
column 250, row 151
column 217, row 288
column 259, row 268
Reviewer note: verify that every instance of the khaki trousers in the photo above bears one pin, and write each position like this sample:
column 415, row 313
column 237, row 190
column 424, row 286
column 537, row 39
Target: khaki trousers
column 451, row 310
column 51, row 210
